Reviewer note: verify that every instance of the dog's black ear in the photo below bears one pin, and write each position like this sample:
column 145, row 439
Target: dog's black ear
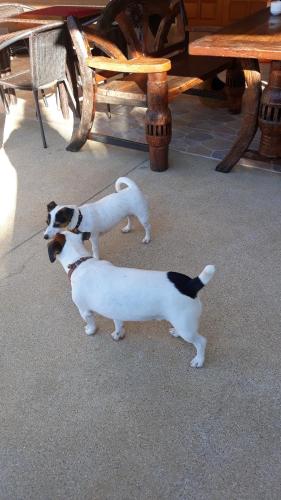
column 64, row 216
column 55, row 246
column 86, row 236
column 51, row 206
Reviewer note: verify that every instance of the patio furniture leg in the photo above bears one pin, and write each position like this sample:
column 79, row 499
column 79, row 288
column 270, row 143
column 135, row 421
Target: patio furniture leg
column 250, row 116
column 80, row 135
column 63, row 100
column 158, row 121
column 4, row 100
column 44, row 98
column 235, row 86
column 71, row 97
column 35, row 94
column 12, row 96
column 270, row 114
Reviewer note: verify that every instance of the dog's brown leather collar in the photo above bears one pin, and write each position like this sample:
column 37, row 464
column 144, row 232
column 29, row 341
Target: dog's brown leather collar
column 75, row 264
column 75, row 229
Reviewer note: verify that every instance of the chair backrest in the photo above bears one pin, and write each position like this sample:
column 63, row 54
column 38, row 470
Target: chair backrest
column 47, row 50
column 8, row 10
column 150, row 27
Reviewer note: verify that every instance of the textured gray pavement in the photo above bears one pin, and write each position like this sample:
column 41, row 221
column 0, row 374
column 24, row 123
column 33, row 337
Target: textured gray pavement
column 88, row 418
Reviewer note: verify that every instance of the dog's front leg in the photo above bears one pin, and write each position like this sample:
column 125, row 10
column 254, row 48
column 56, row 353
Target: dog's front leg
column 95, row 245
column 119, row 330
column 90, row 327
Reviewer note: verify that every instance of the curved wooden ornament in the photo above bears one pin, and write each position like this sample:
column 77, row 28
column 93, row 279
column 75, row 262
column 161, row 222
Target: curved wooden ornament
column 249, row 125
column 80, row 135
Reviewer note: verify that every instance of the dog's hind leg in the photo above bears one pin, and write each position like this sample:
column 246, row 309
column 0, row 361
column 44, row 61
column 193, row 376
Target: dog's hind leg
column 190, row 334
column 147, row 236
column 119, row 330
column 90, row 327
column 141, row 212
column 144, row 221
column 128, row 227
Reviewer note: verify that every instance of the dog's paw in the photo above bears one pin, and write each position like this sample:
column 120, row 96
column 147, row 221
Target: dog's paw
column 126, row 229
column 146, row 239
column 89, row 330
column 197, row 362
column 118, row 335
column 173, row 332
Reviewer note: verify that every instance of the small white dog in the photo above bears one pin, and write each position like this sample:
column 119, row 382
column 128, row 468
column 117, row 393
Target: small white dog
column 100, row 216
column 127, row 294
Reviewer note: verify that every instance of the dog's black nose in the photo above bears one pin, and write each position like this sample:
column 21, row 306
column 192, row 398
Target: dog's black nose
column 46, row 237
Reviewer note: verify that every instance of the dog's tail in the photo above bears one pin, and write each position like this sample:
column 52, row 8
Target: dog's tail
column 207, row 274
column 125, row 180
column 191, row 286
column 198, row 283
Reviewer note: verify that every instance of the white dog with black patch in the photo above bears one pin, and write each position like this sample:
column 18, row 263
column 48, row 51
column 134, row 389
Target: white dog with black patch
column 99, row 217
column 127, row 294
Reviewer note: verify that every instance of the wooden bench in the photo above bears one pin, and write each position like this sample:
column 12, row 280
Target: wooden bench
column 148, row 66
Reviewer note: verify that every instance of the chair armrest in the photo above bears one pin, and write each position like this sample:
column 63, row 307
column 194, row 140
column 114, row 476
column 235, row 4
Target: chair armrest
column 137, row 65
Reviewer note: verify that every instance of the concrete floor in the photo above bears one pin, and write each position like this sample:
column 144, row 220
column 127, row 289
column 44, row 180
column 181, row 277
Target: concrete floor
column 88, row 418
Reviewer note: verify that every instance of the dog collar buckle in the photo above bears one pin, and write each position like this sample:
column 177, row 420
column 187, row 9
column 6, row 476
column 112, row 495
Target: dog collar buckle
column 76, row 264
column 75, row 229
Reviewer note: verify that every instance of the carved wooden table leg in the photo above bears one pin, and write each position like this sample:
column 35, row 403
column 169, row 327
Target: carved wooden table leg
column 158, row 121
column 270, row 114
column 80, row 135
column 235, row 86
column 249, row 124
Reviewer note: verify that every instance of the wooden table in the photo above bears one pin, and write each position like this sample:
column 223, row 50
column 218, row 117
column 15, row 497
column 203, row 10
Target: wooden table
column 257, row 37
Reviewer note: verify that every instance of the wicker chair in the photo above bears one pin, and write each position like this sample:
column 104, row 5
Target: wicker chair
column 47, row 64
column 8, row 10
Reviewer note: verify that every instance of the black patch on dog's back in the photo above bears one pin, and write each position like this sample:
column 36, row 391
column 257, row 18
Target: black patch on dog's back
column 184, row 284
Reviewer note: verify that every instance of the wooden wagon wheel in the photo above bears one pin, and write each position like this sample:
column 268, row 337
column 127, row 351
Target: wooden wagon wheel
column 128, row 14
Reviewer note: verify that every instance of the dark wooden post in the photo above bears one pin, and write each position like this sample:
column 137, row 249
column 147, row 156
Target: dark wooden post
column 235, row 86
column 270, row 114
column 158, row 121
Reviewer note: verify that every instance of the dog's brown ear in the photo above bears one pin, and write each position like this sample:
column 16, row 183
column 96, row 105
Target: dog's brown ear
column 86, row 236
column 55, row 246
column 51, row 206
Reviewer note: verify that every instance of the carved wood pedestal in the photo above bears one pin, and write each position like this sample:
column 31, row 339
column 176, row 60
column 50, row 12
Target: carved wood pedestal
column 158, row 121
column 265, row 112
column 270, row 114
